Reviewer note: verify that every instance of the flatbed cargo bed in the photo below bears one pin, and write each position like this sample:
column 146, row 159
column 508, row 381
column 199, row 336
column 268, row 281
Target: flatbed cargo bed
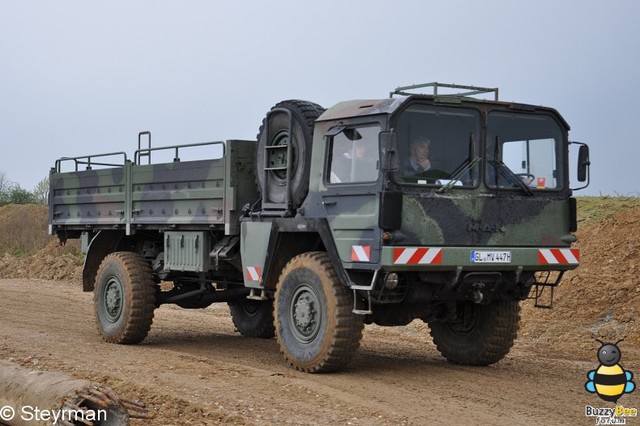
column 202, row 194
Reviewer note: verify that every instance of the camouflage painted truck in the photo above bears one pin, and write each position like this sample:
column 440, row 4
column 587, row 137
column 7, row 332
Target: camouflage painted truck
column 320, row 226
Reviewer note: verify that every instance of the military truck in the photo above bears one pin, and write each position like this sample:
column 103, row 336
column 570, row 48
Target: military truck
column 321, row 225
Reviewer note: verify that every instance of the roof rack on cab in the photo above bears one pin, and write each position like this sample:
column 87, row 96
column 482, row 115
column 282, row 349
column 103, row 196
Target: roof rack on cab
column 470, row 90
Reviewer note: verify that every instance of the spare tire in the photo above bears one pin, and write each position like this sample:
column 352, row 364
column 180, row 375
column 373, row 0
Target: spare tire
column 304, row 115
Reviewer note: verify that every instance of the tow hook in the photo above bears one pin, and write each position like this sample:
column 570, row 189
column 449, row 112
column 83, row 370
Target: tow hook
column 478, row 296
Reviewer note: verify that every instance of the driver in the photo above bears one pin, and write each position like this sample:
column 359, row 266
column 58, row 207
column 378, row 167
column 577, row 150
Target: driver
column 419, row 156
column 418, row 164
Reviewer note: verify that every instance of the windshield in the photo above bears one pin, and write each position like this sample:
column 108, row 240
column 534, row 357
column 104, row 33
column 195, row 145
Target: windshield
column 523, row 151
column 438, row 146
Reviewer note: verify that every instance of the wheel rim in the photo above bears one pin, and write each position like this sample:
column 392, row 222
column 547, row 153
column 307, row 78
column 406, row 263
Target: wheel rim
column 282, row 139
column 113, row 294
column 305, row 314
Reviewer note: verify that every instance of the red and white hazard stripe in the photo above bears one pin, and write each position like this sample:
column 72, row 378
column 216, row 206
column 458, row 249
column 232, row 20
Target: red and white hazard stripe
column 361, row 253
column 559, row 256
column 417, row 256
column 254, row 273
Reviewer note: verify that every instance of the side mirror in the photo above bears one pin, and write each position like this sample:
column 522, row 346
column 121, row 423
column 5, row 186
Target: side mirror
column 389, row 159
column 583, row 163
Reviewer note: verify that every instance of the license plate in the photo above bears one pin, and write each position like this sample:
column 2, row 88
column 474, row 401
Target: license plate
column 490, row 256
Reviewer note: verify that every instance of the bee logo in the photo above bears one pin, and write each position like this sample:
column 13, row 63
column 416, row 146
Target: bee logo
column 609, row 381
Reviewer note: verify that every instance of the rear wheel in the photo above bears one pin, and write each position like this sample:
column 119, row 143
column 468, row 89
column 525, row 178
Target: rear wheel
column 304, row 115
column 315, row 326
column 253, row 318
column 480, row 335
column 124, row 298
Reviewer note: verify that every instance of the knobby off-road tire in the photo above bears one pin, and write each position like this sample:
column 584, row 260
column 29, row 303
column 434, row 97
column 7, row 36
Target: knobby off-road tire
column 482, row 335
column 315, row 326
column 253, row 318
column 124, row 298
column 304, row 115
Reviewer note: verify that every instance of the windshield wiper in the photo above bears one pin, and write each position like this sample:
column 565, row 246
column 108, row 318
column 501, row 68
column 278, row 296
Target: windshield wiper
column 502, row 169
column 467, row 165
column 463, row 168
column 510, row 176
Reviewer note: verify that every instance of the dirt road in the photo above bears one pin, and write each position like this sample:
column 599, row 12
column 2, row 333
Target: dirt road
column 194, row 369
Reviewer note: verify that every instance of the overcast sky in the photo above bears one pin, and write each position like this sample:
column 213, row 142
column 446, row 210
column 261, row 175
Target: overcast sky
column 84, row 77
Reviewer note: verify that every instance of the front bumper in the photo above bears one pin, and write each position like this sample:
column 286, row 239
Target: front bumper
column 424, row 258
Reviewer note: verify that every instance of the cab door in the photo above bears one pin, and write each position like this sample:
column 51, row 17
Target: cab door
column 350, row 193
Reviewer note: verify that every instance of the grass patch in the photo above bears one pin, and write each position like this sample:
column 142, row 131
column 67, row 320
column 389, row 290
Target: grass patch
column 24, row 230
column 598, row 209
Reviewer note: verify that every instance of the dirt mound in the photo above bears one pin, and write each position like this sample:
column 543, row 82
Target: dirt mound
column 53, row 262
column 26, row 251
column 600, row 299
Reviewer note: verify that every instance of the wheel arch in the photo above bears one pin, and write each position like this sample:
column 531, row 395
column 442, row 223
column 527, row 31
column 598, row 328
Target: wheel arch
column 291, row 237
column 100, row 246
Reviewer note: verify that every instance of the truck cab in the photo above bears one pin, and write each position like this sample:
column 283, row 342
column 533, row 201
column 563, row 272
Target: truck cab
column 495, row 200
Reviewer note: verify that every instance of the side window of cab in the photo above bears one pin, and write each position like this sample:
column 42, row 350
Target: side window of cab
column 354, row 155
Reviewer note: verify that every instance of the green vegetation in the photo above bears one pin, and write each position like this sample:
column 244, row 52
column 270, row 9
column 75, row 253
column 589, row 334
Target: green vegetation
column 13, row 193
column 597, row 209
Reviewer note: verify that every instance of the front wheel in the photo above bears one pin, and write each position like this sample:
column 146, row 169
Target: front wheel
column 480, row 335
column 124, row 298
column 315, row 326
